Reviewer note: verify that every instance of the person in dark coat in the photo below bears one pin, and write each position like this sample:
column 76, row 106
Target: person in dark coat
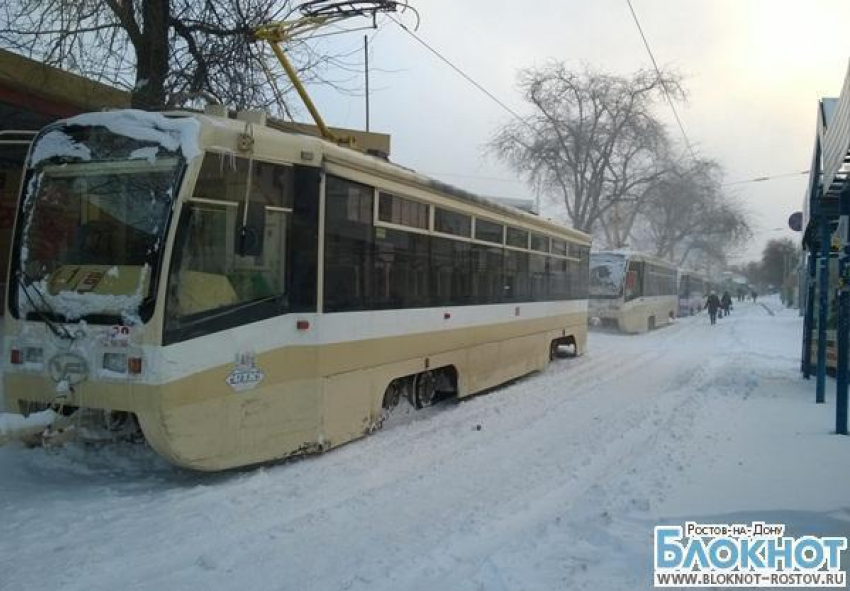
column 726, row 303
column 712, row 304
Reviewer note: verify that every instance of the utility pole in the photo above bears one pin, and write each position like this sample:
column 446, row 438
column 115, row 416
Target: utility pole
column 366, row 60
column 843, row 339
column 615, row 223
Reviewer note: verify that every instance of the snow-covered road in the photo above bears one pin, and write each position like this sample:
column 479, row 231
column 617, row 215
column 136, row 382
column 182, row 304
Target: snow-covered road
column 552, row 482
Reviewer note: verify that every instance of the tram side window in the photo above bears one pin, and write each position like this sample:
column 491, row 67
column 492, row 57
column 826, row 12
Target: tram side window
column 583, row 273
column 488, row 284
column 349, row 248
column 538, row 270
column 670, row 287
column 539, row 243
column 401, row 211
column 451, row 281
column 559, row 247
column 517, row 284
column 401, row 270
column 559, row 280
column 488, row 231
column 451, row 222
column 272, row 184
column 577, row 284
column 208, row 277
column 517, row 237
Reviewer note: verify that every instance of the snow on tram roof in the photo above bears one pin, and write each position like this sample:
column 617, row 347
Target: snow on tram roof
column 182, row 129
column 625, row 252
column 172, row 133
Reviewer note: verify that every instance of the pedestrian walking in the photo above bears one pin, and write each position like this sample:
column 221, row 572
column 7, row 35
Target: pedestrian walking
column 755, row 296
column 712, row 304
column 726, row 303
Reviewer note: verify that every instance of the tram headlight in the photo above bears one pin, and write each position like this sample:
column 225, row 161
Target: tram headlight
column 134, row 365
column 115, row 362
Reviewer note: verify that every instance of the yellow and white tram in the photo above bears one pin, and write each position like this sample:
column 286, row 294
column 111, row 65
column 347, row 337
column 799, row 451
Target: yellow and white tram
column 632, row 291
column 247, row 294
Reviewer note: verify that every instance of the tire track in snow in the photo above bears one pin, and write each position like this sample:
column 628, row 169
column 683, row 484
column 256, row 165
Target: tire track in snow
column 615, row 455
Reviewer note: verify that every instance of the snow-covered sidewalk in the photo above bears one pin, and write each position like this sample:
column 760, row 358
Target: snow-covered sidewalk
column 559, row 488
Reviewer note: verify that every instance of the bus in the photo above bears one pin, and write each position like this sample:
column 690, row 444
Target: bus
column 631, row 291
column 237, row 294
column 693, row 289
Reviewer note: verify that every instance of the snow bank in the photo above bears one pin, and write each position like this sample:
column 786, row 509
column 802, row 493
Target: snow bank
column 552, row 482
column 10, row 424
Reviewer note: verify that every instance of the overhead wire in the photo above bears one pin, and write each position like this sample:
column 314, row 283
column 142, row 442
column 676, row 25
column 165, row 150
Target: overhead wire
column 663, row 86
column 761, row 179
column 758, row 179
column 519, row 118
column 457, row 69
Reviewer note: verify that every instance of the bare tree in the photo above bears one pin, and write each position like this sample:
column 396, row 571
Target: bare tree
column 686, row 214
column 591, row 140
column 779, row 259
column 165, row 52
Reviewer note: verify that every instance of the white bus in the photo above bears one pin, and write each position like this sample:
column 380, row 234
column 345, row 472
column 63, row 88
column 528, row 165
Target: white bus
column 238, row 294
column 631, row 291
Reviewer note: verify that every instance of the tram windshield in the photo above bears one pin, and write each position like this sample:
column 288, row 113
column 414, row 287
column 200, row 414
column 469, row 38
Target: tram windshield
column 95, row 211
column 606, row 275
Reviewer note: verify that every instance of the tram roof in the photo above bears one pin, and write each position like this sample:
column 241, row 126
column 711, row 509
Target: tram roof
column 634, row 254
column 383, row 167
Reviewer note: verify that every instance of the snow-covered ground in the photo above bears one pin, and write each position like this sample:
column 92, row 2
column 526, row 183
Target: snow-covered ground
column 559, row 489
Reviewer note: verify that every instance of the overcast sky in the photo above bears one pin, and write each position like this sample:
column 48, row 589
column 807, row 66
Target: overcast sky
column 754, row 71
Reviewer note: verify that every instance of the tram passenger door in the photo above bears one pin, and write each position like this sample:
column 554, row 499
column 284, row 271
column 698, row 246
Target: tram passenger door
column 634, row 282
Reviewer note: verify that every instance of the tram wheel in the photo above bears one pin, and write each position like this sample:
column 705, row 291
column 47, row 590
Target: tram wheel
column 392, row 395
column 424, row 389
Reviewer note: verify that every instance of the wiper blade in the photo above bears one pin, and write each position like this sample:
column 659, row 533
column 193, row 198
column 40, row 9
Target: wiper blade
column 58, row 330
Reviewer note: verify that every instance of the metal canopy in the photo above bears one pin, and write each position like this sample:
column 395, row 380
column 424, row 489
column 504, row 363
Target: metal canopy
column 836, row 143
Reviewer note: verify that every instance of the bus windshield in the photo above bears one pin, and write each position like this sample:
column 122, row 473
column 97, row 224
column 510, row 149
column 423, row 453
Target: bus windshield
column 94, row 220
column 606, row 275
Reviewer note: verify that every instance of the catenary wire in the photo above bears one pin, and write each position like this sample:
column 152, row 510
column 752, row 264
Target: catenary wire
column 466, row 76
column 519, row 118
column 663, row 86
